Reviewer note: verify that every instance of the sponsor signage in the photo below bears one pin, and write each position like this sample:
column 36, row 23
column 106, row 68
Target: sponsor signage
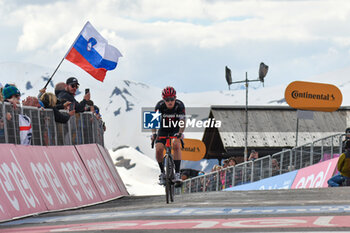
column 315, row 176
column 99, row 171
column 75, row 174
column 194, row 150
column 18, row 192
column 36, row 179
column 118, row 180
column 284, row 181
column 313, row 96
column 52, row 186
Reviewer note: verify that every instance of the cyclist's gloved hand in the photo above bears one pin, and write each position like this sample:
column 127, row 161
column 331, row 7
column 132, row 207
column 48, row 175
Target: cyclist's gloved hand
column 153, row 137
column 179, row 135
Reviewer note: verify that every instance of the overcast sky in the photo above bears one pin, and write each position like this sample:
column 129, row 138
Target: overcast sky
column 186, row 43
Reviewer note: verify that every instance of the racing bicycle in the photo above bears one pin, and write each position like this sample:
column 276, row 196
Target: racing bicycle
column 169, row 168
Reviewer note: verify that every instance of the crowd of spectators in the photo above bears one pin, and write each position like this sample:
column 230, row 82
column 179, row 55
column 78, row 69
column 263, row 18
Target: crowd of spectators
column 63, row 98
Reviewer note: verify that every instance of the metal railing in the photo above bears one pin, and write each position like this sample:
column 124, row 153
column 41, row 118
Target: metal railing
column 250, row 171
column 82, row 128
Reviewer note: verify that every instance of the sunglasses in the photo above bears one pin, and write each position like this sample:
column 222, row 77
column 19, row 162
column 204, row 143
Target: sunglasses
column 75, row 86
column 169, row 99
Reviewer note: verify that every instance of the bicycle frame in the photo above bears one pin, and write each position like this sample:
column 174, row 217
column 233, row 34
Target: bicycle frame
column 170, row 170
column 170, row 167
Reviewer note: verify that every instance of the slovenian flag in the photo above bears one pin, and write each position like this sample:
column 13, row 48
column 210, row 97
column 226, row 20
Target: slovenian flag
column 92, row 53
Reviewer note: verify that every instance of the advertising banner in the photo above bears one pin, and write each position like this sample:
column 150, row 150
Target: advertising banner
column 51, row 184
column 283, row 181
column 75, row 174
column 112, row 169
column 37, row 179
column 100, row 174
column 19, row 196
column 194, row 150
column 313, row 96
column 315, row 176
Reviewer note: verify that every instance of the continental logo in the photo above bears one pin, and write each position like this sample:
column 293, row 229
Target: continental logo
column 306, row 95
column 191, row 149
column 194, row 150
column 313, row 96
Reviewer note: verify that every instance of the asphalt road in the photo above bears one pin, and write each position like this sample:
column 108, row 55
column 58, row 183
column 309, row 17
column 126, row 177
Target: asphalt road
column 306, row 210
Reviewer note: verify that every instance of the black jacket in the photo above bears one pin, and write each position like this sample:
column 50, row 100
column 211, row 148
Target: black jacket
column 64, row 96
column 60, row 117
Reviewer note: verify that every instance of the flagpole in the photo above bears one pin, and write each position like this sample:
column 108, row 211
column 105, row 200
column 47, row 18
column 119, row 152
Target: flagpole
column 65, row 55
column 54, row 72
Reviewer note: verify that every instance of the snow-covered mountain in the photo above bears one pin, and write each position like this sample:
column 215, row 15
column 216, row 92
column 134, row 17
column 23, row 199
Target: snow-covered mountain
column 121, row 102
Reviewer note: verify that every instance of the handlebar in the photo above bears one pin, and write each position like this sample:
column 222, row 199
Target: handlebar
column 166, row 137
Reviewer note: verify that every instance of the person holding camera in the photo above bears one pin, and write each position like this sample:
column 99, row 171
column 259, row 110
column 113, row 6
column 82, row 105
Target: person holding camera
column 68, row 94
column 343, row 166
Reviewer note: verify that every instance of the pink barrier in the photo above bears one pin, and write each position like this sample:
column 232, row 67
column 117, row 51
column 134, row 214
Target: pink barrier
column 114, row 172
column 51, row 185
column 100, row 173
column 78, row 180
column 19, row 194
column 35, row 179
column 315, row 176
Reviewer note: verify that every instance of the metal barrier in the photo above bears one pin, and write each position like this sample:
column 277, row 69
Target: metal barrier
column 271, row 165
column 82, row 128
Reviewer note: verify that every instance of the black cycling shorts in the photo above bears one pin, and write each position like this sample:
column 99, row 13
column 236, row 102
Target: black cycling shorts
column 163, row 133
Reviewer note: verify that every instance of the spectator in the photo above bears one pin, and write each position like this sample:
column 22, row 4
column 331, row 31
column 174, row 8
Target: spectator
column 232, row 162
column 49, row 100
column 68, row 94
column 99, row 117
column 2, row 130
column 343, row 166
column 59, row 87
column 1, row 88
column 11, row 95
column 225, row 163
column 201, row 173
column 89, row 107
column 347, row 138
column 184, row 176
column 253, row 155
column 216, row 167
column 31, row 101
column 41, row 92
column 275, row 167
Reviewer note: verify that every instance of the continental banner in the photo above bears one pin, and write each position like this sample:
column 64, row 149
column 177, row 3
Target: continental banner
column 194, row 150
column 313, row 96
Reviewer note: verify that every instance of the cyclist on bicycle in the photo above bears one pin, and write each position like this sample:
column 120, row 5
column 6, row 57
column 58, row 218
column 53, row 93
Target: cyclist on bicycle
column 172, row 112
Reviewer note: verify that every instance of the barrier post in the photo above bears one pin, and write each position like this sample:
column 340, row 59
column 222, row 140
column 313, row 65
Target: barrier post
column 40, row 131
column 332, row 156
column 5, row 124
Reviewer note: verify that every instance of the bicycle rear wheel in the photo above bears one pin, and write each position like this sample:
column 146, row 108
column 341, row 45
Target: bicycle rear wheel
column 169, row 185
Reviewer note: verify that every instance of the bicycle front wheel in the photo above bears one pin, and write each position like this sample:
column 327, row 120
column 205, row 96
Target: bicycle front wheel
column 169, row 185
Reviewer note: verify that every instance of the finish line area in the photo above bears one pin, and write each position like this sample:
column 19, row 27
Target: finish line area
column 238, row 223
column 243, row 211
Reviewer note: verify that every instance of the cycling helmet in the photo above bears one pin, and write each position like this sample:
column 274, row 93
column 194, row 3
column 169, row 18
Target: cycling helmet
column 168, row 92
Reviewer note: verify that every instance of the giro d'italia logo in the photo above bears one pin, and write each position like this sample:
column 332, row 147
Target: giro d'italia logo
column 151, row 119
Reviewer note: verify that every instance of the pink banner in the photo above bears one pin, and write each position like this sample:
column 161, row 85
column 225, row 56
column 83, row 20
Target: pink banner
column 75, row 174
column 100, row 174
column 113, row 170
column 19, row 195
column 52, row 186
column 315, row 176
column 36, row 179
